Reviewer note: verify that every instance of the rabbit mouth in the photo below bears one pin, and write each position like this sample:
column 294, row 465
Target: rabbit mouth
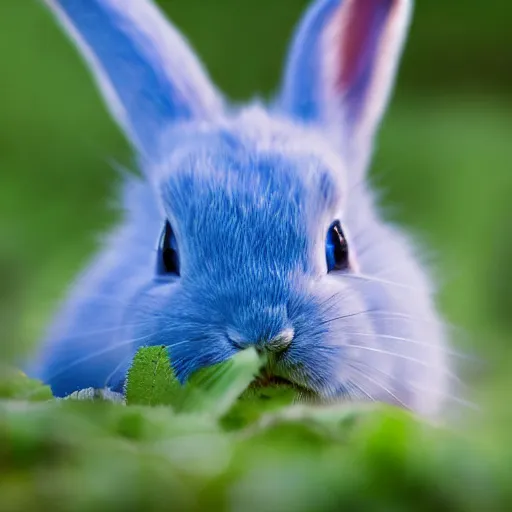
column 266, row 379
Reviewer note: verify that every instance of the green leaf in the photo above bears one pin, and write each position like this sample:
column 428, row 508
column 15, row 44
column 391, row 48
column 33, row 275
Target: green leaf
column 214, row 390
column 332, row 422
column 150, row 380
column 15, row 385
column 256, row 402
column 211, row 390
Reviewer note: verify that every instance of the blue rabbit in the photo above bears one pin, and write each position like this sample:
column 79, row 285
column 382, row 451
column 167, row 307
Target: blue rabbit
column 252, row 226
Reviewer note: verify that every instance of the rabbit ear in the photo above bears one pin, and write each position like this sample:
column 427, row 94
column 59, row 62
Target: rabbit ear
column 146, row 71
column 342, row 66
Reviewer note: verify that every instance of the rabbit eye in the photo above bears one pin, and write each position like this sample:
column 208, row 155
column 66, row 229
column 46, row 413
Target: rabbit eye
column 336, row 248
column 168, row 258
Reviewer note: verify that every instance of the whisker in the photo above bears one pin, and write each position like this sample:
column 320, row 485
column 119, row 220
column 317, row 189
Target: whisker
column 98, row 353
column 168, row 346
column 107, row 330
column 381, row 386
column 334, row 295
column 330, row 307
column 408, row 340
column 373, row 279
column 445, row 371
column 352, row 383
column 172, row 345
column 417, row 387
column 349, row 315
column 117, row 368
column 455, row 353
column 394, row 314
column 453, row 330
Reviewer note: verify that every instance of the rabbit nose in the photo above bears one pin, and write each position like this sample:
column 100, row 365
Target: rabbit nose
column 275, row 345
column 280, row 342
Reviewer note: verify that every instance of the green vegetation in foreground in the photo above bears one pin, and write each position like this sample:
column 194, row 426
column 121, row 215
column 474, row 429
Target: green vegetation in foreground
column 442, row 163
column 220, row 444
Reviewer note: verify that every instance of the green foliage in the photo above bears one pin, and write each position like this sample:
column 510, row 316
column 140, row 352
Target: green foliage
column 211, row 390
column 255, row 402
column 80, row 455
column 222, row 443
column 15, row 385
column 150, row 378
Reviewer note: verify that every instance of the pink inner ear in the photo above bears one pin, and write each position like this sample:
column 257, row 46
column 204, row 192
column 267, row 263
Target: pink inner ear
column 364, row 22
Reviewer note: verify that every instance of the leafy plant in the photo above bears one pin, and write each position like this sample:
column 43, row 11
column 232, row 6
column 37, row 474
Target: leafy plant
column 221, row 443
column 16, row 385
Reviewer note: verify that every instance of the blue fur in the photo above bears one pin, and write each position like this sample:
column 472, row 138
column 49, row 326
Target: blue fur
column 250, row 196
column 301, row 91
column 155, row 101
column 213, row 194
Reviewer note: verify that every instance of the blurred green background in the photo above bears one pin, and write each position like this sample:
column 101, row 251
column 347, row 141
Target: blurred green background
column 443, row 156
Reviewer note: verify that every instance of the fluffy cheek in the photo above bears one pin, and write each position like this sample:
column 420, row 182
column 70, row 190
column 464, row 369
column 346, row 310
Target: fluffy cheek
column 351, row 334
column 143, row 326
column 327, row 324
column 161, row 314
column 149, row 310
column 193, row 331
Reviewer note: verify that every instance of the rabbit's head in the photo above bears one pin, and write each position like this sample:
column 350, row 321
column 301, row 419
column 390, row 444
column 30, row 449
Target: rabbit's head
column 254, row 226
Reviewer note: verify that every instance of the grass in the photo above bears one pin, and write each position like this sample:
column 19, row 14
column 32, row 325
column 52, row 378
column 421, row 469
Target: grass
column 219, row 444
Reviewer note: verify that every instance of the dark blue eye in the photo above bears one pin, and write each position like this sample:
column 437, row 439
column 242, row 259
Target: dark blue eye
column 168, row 258
column 336, row 248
